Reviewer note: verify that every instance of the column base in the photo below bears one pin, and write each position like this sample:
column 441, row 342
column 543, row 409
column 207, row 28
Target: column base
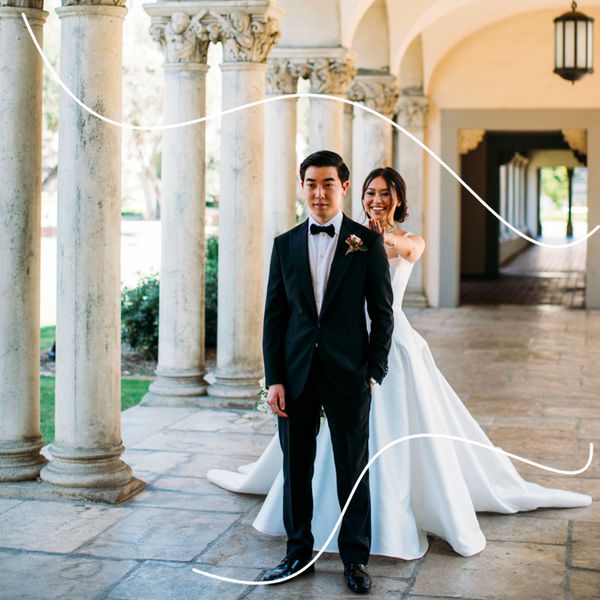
column 235, row 392
column 21, row 461
column 42, row 490
column 176, row 390
column 87, row 469
column 415, row 298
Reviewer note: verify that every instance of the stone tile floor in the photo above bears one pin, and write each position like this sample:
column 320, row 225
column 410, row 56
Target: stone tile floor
column 538, row 275
column 528, row 374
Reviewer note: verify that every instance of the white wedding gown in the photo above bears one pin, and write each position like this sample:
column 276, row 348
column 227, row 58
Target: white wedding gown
column 418, row 486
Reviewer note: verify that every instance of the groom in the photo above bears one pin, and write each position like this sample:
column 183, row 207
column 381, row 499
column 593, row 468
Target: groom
column 318, row 353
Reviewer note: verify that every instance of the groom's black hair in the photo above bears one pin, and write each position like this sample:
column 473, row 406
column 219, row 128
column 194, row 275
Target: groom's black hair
column 325, row 158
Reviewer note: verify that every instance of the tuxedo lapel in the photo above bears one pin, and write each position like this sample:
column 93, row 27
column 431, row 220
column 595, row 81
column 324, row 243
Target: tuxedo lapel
column 339, row 265
column 299, row 253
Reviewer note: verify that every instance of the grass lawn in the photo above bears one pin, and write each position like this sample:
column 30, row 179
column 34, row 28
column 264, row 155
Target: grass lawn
column 47, row 335
column 132, row 391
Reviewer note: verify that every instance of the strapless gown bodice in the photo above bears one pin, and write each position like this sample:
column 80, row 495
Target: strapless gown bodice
column 400, row 271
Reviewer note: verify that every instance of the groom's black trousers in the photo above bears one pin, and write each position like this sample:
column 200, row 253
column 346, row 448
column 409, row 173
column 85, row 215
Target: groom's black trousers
column 348, row 419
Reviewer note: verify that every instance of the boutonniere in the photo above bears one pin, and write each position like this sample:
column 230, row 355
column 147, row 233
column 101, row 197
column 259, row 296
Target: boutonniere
column 355, row 244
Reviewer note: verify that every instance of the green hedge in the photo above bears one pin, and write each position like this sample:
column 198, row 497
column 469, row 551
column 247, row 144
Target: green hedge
column 212, row 286
column 139, row 316
column 139, row 308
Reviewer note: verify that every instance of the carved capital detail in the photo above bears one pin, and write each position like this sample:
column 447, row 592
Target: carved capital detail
column 519, row 160
column 23, row 3
column 93, row 3
column 469, row 139
column 412, row 111
column 577, row 139
column 185, row 37
column 282, row 76
column 245, row 37
column 378, row 92
column 328, row 75
column 179, row 39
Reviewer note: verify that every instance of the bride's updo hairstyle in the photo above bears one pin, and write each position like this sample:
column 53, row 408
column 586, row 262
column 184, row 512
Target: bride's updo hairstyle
column 397, row 188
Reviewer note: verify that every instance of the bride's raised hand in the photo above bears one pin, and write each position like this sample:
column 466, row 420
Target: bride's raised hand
column 375, row 225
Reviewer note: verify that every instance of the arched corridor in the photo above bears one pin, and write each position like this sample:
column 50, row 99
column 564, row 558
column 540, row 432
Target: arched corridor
column 537, row 182
column 536, row 275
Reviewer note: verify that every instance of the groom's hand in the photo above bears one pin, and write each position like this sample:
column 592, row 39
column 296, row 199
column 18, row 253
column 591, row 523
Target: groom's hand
column 276, row 399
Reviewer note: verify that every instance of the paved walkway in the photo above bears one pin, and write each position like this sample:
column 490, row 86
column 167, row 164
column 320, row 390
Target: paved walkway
column 537, row 275
column 528, row 374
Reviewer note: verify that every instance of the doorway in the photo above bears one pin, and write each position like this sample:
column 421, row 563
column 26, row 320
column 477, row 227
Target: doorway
column 538, row 184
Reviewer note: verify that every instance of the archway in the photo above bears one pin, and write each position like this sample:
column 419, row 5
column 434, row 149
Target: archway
column 510, row 170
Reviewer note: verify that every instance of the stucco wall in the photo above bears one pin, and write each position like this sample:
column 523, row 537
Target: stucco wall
column 509, row 65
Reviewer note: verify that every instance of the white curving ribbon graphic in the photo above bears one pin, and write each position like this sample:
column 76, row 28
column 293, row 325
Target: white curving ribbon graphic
column 371, row 461
column 270, row 99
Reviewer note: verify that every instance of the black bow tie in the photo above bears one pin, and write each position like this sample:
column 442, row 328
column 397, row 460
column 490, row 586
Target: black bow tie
column 329, row 229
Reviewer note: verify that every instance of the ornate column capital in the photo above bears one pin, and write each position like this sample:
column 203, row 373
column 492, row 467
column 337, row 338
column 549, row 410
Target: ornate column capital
column 329, row 70
column 469, row 139
column 282, row 76
column 377, row 91
column 93, row 3
column 180, row 39
column 247, row 30
column 246, row 37
column 39, row 4
column 519, row 160
column 328, row 75
column 412, row 111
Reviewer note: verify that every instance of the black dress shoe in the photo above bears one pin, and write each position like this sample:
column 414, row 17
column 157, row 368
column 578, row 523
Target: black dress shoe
column 357, row 578
column 287, row 567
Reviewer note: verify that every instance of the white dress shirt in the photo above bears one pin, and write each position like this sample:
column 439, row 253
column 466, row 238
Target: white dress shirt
column 321, row 248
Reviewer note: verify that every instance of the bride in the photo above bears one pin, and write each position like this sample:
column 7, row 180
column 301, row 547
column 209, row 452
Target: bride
column 420, row 486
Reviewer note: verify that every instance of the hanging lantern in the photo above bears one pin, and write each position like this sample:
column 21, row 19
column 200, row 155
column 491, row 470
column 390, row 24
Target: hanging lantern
column 573, row 45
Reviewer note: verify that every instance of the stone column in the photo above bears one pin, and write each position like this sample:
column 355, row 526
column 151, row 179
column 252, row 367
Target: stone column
column 510, row 213
column 20, row 212
column 280, row 153
column 330, row 71
column 411, row 111
column 181, row 357
column 86, row 453
column 372, row 135
column 330, row 74
column 523, row 194
column 348, row 145
column 247, row 35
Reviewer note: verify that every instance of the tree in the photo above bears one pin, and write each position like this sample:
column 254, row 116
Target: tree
column 142, row 105
column 555, row 185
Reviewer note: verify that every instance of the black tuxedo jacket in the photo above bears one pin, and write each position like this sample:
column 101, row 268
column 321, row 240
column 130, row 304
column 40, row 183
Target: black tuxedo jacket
column 293, row 329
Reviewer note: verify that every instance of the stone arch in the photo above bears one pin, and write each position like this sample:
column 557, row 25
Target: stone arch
column 374, row 22
column 444, row 23
column 351, row 14
column 411, row 67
